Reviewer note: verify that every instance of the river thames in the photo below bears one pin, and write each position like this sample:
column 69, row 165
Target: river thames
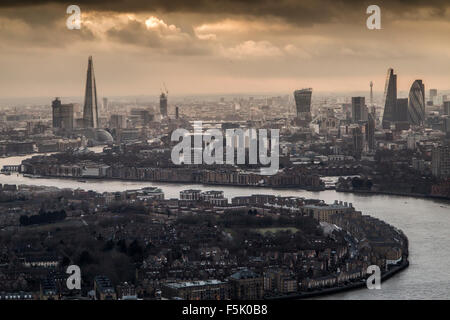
column 426, row 223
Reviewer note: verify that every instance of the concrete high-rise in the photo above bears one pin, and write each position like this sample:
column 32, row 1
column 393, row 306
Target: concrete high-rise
column 62, row 115
column 105, row 104
column 370, row 132
column 416, row 105
column 401, row 110
column 303, row 103
column 358, row 109
column 358, row 141
column 371, row 93
column 446, row 108
column 390, row 99
column 433, row 95
column 440, row 161
column 163, row 104
column 90, row 111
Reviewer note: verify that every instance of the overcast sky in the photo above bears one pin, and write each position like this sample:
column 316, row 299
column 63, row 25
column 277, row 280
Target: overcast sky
column 220, row 46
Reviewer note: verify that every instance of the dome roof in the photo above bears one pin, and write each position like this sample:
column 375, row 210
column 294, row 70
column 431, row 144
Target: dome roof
column 103, row 136
column 99, row 136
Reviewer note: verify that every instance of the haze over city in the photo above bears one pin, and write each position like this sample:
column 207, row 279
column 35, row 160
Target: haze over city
column 224, row 150
column 208, row 47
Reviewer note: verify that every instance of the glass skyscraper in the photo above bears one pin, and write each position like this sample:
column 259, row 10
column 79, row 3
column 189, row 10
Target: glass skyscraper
column 390, row 98
column 416, row 105
column 90, row 111
column 303, row 103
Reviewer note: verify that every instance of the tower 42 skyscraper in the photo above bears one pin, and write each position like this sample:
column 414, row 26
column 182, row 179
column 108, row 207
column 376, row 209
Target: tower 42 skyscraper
column 90, row 111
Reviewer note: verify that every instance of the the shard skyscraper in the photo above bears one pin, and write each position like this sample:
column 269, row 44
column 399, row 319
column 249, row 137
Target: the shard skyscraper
column 90, row 111
column 390, row 99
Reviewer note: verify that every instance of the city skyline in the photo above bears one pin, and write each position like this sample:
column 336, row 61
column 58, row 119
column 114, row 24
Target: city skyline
column 215, row 49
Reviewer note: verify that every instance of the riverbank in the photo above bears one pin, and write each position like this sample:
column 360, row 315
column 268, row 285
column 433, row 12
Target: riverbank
column 393, row 270
column 392, row 193
column 86, row 179
column 352, row 286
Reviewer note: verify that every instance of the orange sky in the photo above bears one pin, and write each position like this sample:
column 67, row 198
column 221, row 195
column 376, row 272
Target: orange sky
column 225, row 47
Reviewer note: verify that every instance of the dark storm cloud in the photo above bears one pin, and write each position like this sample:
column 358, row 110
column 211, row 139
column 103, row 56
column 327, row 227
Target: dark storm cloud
column 295, row 12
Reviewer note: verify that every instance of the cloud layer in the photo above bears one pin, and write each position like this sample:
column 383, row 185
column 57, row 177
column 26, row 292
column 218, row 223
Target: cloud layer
column 223, row 45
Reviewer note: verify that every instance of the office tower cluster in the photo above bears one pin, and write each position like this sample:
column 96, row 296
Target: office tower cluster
column 62, row 115
column 403, row 112
column 359, row 109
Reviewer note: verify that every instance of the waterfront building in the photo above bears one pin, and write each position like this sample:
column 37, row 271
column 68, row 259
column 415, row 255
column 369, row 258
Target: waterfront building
column 416, row 105
column 62, row 115
column 390, row 98
column 190, row 195
column 104, row 289
column 303, row 104
column 279, row 280
column 197, row 290
column 126, row 291
column 440, row 162
column 323, row 212
column 246, row 285
column 48, row 290
column 90, row 111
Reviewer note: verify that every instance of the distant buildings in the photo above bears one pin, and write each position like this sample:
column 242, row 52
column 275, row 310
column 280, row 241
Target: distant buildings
column 433, row 96
column 401, row 110
column 303, row 104
column 62, row 115
column 163, row 104
column 324, row 213
column 246, row 285
column 104, row 289
column 358, row 141
column 105, row 104
column 117, row 121
column 197, row 290
column 390, row 98
column 370, row 132
column 416, row 105
column 359, row 109
column 446, row 109
column 90, row 111
column 440, row 162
